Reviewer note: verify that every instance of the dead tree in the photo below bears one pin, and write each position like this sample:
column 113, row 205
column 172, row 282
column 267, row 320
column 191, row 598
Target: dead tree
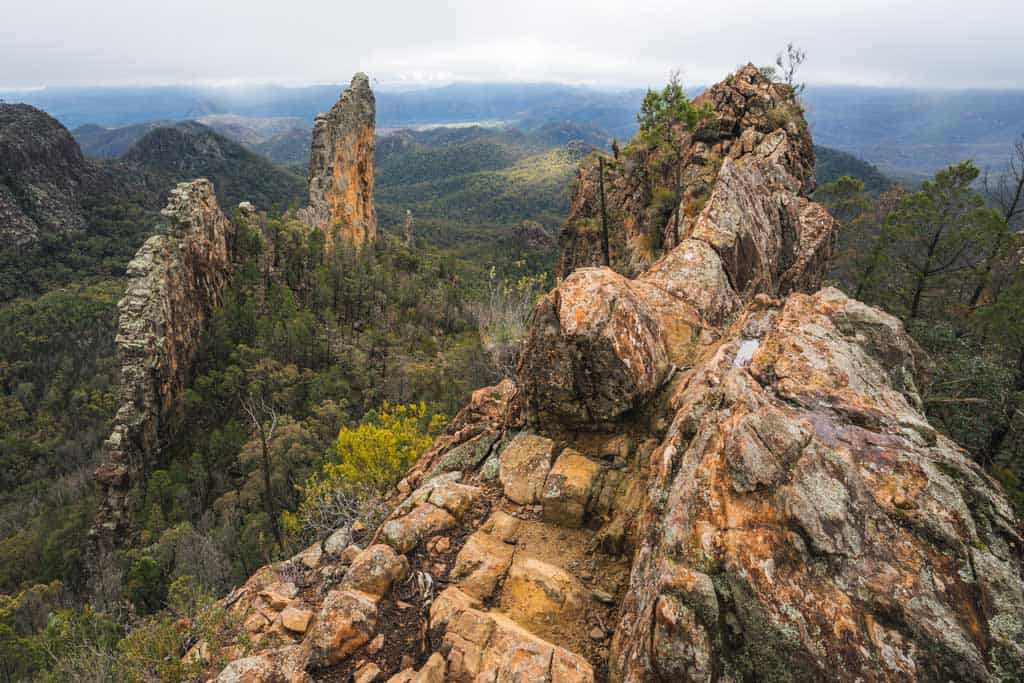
column 264, row 420
column 1006, row 191
column 788, row 63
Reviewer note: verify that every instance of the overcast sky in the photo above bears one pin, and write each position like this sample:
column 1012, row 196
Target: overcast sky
column 929, row 43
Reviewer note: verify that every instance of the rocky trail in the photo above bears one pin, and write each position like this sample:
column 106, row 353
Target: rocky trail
column 503, row 568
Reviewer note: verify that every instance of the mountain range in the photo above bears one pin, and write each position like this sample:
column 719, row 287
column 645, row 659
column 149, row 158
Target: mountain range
column 907, row 133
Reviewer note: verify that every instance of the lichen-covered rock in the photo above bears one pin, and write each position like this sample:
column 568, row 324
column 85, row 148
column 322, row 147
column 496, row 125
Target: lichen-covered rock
column 425, row 520
column 473, row 432
column 296, row 619
column 489, row 646
column 539, row 595
column 175, row 281
column 375, row 569
column 568, row 488
column 341, row 168
column 347, row 619
column 831, row 527
column 481, row 564
column 601, row 344
column 524, row 466
column 280, row 665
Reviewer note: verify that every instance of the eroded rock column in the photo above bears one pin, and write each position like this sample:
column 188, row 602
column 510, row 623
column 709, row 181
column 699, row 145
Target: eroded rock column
column 175, row 281
column 341, row 168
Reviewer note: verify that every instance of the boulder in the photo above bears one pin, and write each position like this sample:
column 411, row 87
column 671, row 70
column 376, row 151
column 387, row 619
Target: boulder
column 454, row 497
column 524, row 466
column 568, row 488
column 338, row 540
column 279, row 594
column 596, row 348
column 279, row 665
column 490, row 646
column 502, row 526
column 296, row 619
column 375, row 569
column 540, row 596
column 347, row 620
column 424, row 521
column 481, row 564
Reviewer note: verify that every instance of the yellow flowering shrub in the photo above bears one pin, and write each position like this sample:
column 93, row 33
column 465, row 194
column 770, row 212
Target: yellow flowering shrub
column 366, row 461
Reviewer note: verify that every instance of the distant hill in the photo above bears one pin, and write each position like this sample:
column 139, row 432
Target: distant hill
column 64, row 217
column 109, row 143
column 42, row 174
column 286, row 140
column 282, row 139
column 831, row 164
column 191, row 150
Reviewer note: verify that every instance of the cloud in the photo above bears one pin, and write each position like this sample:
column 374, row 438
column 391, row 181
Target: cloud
column 76, row 42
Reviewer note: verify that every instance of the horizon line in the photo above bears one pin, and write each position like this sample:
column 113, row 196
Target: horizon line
column 400, row 86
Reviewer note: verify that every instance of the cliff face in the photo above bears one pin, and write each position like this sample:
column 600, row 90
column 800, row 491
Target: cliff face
column 175, row 281
column 42, row 173
column 712, row 471
column 341, row 168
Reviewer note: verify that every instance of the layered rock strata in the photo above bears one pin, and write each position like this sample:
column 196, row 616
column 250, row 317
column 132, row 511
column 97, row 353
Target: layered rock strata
column 341, row 168
column 176, row 280
column 710, row 471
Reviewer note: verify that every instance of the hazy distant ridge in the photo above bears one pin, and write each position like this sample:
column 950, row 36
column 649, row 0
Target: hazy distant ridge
column 906, row 133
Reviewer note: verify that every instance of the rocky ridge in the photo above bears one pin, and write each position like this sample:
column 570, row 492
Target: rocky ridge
column 175, row 281
column 341, row 168
column 707, row 469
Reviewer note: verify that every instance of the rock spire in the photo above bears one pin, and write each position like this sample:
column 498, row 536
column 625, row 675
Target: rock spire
column 341, row 168
column 175, row 281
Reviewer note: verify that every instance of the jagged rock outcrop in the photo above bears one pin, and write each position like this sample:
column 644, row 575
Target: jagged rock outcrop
column 651, row 203
column 602, row 343
column 175, row 281
column 42, row 174
column 341, row 168
column 712, row 471
column 803, row 521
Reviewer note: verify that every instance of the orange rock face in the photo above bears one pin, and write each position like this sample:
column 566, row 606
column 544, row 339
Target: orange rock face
column 341, row 168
